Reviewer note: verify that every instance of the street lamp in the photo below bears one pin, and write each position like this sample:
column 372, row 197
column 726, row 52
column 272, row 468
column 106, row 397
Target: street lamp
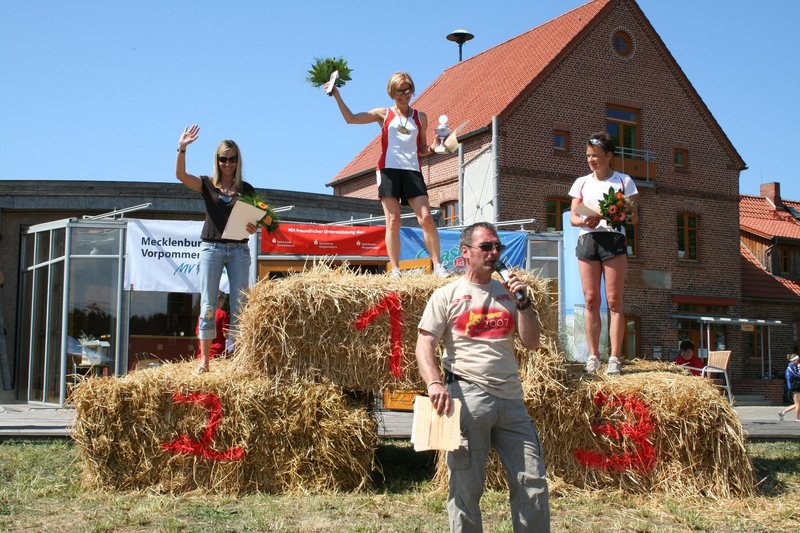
column 460, row 37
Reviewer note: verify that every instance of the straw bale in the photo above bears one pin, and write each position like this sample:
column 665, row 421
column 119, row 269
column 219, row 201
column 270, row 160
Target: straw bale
column 694, row 442
column 295, row 436
column 303, row 325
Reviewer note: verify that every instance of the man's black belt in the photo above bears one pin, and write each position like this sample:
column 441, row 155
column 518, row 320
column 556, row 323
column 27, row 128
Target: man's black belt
column 449, row 377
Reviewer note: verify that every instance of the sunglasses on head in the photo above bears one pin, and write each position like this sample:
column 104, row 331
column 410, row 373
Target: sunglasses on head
column 489, row 246
column 596, row 142
column 231, row 159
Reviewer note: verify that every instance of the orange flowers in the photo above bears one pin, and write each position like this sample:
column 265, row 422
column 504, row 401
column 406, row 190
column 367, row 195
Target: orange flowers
column 616, row 208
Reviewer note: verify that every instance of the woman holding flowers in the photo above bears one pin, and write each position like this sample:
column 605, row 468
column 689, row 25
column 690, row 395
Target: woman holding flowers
column 602, row 249
column 220, row 192
column 398, row 172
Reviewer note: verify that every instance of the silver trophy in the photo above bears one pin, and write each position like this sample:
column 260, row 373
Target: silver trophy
column 442, row 132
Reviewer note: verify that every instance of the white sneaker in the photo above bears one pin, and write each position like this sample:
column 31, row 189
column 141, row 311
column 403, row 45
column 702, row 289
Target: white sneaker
column 395, row 273
column 440, row 271
column 592, row 365
column 613, row 366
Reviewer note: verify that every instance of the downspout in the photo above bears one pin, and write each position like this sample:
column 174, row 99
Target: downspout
column 496, row 168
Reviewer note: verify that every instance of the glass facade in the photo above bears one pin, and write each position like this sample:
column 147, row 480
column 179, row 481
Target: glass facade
column 70, row 306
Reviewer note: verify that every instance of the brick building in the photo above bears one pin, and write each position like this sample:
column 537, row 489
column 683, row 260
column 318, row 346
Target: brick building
column 531, row 103
column 770, row 259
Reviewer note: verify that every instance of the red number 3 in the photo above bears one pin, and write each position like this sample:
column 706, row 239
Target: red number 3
column 643, row 457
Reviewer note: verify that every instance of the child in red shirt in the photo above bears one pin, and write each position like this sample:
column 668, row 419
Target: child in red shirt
column 688, row 358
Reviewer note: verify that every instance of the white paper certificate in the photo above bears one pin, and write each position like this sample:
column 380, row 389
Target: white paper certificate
column 587, row 211
column 242, row 213
column 432, row 431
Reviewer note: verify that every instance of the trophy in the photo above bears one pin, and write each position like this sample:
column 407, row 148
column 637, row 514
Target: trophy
column 442, row 132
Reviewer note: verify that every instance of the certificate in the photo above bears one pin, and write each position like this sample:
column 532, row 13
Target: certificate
column 241, row 214
column 451, row 142
column 432, row 431
column 587, row 211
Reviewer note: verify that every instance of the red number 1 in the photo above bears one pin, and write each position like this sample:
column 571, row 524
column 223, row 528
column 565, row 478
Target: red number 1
column 392, row 304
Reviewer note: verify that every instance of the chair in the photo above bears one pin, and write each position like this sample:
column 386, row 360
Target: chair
column 718, row 364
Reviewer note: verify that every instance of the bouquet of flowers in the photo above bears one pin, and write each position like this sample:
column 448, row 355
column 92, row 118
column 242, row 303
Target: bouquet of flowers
column 322, row 68
column 616, row 208
column 270, row 219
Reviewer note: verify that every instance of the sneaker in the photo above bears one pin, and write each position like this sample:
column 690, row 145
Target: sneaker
column 613, row 366
column 440, row 271
column 395, row 273
column 592, row 365
column 780, row 415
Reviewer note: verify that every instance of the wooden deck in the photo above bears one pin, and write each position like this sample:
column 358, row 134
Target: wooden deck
column 24, row 421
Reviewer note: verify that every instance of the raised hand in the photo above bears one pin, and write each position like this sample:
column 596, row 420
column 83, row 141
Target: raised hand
column 189, row 135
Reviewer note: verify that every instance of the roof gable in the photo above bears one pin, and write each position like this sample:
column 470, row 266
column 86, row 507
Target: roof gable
column 493, row 81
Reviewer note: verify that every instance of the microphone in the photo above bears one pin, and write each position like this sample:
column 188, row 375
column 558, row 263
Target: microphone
column 502, row 269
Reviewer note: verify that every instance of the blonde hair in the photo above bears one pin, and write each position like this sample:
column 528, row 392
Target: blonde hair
column 791, row 356
column 398, row 79
column 226, row 146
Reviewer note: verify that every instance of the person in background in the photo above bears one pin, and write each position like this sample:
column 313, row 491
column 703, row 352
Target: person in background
column 688, row 358
column 398, row 171
column 221, row 324
column 602, row 251
column 793, row 386
column 476, row 317
column 220, row 192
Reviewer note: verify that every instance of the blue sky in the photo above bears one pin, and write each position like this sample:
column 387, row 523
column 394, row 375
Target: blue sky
column 100, row 90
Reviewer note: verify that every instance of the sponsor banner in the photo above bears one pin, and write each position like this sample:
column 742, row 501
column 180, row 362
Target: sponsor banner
column 317, row 239
column 164, row 256
column 412, row 246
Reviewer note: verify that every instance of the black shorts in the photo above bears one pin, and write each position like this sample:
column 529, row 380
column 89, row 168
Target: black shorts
column 402, row 184
column 601, row 245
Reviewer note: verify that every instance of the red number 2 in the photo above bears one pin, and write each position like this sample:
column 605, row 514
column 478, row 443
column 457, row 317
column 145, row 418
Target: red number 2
column 187, row 445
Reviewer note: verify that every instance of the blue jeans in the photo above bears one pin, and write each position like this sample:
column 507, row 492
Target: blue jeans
column 214, row 256
column 491, row 422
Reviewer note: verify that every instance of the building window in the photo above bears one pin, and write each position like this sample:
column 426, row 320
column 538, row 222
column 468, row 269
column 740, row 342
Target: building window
column 681, row 158
column 631, row 235
column 631, row 343
column 789, row 261
column 555, row 208
column 450, row 213
column 623, row 43
column 560, row 140
column 622, row 124
column 687, row 236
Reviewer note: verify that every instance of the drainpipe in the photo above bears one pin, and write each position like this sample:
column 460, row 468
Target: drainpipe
column 496, row 168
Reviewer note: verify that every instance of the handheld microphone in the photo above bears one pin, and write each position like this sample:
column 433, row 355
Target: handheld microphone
column 502, row 269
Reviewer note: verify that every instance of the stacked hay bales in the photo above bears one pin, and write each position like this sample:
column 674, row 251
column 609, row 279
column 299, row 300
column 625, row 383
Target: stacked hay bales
column 306, row 325
column 307, row 338
column 653, row 429
column 275, row 437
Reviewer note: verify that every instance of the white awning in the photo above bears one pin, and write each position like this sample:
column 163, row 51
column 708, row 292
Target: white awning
column 728, row 320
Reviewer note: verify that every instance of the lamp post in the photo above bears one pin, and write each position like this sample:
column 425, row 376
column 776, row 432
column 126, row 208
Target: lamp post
column 460, row 37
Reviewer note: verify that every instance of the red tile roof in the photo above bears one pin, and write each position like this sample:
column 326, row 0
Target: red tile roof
column 498, row 77
column 758, row 283
column 757, row 215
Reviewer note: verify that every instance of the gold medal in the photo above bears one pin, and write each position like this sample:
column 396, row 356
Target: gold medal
column 403, row 130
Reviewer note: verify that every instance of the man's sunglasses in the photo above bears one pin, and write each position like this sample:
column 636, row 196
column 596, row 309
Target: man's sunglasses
column 489, row 246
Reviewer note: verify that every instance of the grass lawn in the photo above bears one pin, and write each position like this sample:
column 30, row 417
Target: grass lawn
column 40, row 490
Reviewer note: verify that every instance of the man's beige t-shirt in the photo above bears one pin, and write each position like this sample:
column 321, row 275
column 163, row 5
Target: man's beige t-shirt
column 476, row 324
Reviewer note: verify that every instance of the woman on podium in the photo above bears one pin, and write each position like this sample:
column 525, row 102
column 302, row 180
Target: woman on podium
column 220, row 192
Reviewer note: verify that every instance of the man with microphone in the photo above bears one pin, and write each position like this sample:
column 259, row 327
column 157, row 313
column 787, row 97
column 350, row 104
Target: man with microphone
column 476, row 317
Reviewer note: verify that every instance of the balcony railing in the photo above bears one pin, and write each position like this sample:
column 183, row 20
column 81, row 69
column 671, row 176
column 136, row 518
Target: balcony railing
column 640, row 164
